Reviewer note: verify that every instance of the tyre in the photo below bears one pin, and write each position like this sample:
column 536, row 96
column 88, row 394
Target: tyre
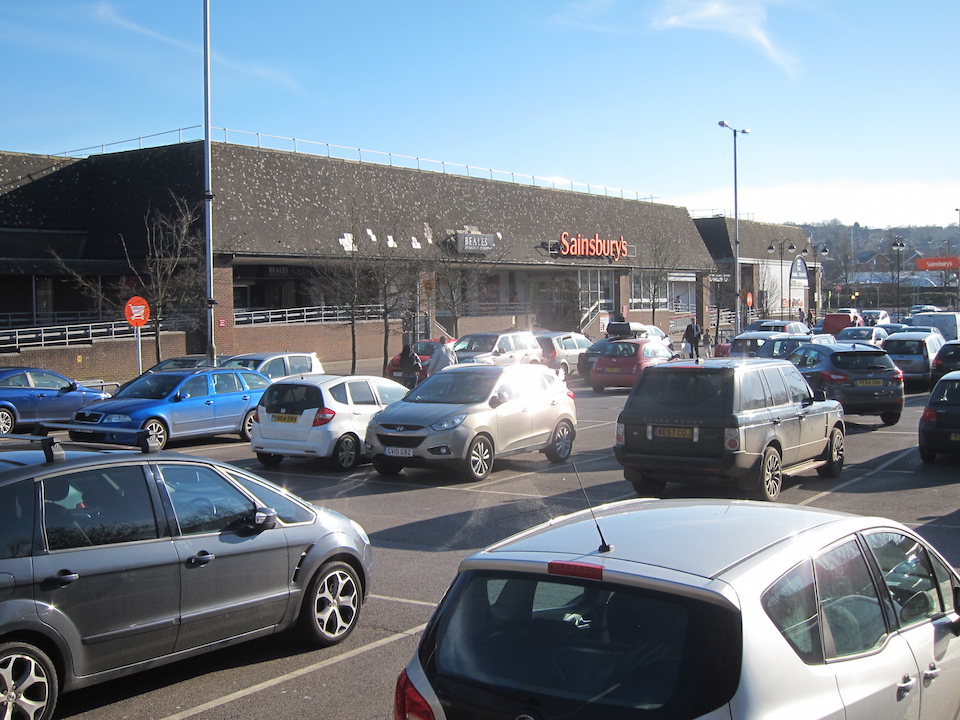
column 6, row 420
column 385, row 467
column 644, row 485
column 597, row 388
column 346, row 453
column 331, row 606
column 158, row 429
column 890, row 418
column 770, row 480
column 834, row 464
column 29, row 686
column 246, row 427
column 926, row 454
column 269, row 459
column 561, row 443
column 479, row 459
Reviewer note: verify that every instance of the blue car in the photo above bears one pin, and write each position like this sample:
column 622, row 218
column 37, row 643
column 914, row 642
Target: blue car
column 30, row 395
column 176, row 404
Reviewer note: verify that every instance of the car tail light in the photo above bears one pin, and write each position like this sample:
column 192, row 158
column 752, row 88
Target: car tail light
column 898, row 375
column 551, row 353
column 256, row 414
column 835, row 377
column 731, row 439
column 570, row 394
column 937, row 363
column 928, row 415
column 323, row 416
column 408, row 704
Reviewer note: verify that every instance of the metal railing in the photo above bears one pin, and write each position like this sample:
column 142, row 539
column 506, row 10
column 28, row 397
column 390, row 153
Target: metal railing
column 63, row 335
column 318, row 314
column 362, row 155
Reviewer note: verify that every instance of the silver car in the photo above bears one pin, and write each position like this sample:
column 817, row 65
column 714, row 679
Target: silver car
column 506, row 348
column 465, row 416
column 684, row 609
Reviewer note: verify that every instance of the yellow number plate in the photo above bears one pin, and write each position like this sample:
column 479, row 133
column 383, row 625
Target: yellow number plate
column 285, row 418
column 869, row 383
column 673, row 432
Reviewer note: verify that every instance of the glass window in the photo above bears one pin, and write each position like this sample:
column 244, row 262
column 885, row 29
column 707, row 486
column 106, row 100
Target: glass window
column 908, row 575
column 339, row 393
column 254, row 381
column 946, row 392
column 752, row 394
column 204, row 501
column 778, row 389
column 226, row 382
column 852, row 616
column 273, row 369
column 195, row 386
column 15, row 380
column 48, row 380
column 360, row 393
column 796, row 386
column 791, row 603
column 288, row 509
column 16, row 530
column 293, row 399
column 505, row 344
column 862, row 361
column 299, row 364
column 389, row 392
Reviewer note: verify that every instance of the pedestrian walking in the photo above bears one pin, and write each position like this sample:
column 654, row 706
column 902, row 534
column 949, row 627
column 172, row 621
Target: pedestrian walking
column 410, row 367
column 707, row 343
column 692, row 336
column 442, row 357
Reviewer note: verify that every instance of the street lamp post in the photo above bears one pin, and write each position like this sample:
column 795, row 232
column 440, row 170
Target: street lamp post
column 792, row 249
column 898, row 247
column 736, row 230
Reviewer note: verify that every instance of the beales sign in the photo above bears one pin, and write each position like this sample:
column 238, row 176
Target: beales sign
column 580, row 246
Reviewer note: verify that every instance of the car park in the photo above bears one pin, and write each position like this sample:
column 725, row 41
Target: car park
column 29, row 395
column 507, row 348
column 277, row 366
column 939, row 428
column 693, row 608
column 914, row 353
column 466, row 416
column 863, row 378
column 622, row 361
column 319, row 416
column 947, row 360
column 115, row 561
column 175, row 404
column 782, row 346
column 726, row 421
column 562, row 350
column 424, row 350
column 865, row 334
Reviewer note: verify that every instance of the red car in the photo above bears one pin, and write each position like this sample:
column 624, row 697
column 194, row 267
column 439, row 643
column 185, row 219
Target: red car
column 423, row 348
column 622, row 361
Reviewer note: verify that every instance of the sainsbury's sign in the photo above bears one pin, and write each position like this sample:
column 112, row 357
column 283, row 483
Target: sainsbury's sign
column 941, row 263
column 580, row 246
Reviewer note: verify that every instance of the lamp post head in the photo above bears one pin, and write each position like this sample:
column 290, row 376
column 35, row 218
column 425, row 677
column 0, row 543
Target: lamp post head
column 771, row 248
column 723, row 123
column 792, row 248
column 745, row 131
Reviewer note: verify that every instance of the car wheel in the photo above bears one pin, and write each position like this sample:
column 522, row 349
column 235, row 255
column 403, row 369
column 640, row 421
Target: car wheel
column 6, row 420
column 926, row 454
column 479, row 459
column 158, row 429
column 834, row 456
column 563, row 371
column 346, row 453
column 331, row 606
column 269, row 459
column 644, row 485
column 29, row 686
column 890, row 418
column 385, row 467
column 561, row 443
column 597, row 388
column 771, row 475
column 246, row 427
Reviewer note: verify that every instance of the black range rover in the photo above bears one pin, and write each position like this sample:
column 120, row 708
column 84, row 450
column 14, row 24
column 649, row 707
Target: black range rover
column 728, row 421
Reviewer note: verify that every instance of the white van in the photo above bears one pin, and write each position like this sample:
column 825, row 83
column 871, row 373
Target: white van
column 947, row 322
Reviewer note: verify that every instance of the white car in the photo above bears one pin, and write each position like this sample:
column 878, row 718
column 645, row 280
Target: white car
column 319, row 416
column 277, row 366
column 684, row 609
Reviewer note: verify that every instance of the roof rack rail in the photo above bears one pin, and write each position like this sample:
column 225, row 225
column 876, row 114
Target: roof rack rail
column 143, row 439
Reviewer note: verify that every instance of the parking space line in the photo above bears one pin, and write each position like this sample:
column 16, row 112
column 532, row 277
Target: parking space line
column 406, row 601
column 260, row 687
column 896, row 458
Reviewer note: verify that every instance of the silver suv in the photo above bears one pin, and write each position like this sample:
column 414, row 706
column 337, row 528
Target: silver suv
column 506, row 348
column 726, row 420
column 467, row 415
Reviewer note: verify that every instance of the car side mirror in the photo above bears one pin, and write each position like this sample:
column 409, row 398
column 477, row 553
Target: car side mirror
column 819, row 395
column 499, row 399
column 181, row 396
column 265, row 519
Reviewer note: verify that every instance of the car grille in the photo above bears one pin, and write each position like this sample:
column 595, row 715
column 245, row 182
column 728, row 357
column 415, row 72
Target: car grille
column 401, row 428
column 87, row 417
column 400, row 441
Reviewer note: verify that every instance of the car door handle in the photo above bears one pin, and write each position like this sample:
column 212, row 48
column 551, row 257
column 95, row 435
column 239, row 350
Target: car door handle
column 905, row 686
column 208, row 402
column 64, row 577
column 777, row 421
column 931, row 674
column 246, row 397
column 201, row 558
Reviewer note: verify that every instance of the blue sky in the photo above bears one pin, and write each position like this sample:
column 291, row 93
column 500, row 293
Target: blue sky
column 853, row 105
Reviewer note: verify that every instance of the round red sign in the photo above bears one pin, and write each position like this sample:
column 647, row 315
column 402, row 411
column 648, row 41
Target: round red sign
column 749, row 299
column 137, row 311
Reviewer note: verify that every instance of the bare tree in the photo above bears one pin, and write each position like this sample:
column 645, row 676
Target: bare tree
column 659, row 257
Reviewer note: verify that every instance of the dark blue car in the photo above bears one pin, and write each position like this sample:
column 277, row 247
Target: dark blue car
column 176, row 404
column 30, row 395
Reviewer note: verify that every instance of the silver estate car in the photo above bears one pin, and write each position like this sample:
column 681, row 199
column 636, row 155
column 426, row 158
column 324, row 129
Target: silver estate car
column 686, row 609
column 465, row 416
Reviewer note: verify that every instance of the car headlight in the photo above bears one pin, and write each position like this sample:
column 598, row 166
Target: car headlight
column 116, row 418
column 449, row 423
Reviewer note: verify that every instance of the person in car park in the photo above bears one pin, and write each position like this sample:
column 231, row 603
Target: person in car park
column 441, row 357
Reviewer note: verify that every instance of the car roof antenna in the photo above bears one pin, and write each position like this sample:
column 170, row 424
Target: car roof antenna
column 604, row 547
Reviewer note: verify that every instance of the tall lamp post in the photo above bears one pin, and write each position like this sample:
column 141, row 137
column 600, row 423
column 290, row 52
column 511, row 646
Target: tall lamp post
column 736, row 229
column 898, row 247
column 792, row 249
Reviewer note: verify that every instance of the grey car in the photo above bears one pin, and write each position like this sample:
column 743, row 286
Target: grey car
column 116, row 562
column 506, row 348
column 914, row 353
column 694, row 609
column 562, row 350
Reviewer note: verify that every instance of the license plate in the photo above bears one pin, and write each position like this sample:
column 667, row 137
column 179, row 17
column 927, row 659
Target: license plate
column 869, row 383
column 673, row 432
column 955, row 437
column 398, row 452
column 285, row 418
column 613, row 369
column 82, row 430
column 397, row 373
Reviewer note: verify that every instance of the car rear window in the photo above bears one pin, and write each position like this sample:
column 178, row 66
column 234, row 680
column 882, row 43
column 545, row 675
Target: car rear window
column 949, row 351
column 563, row 639
column 620, row 350
column 862, row 361
column 903, row 347
column 688, row 389
column 292, row 399
column 947, row 392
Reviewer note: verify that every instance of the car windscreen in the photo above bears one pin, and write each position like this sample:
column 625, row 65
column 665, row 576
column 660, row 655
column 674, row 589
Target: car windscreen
column 862, row 361
column 150, row 387
column 686, row 389
column 291, row 399
column 475, row 343
column 567, row 643
column 454, row 388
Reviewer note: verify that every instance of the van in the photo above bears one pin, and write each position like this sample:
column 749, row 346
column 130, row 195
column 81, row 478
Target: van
column 947, row 322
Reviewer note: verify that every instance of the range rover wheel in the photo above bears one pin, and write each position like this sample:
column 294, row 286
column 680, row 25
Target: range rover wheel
column 771, row 475
column 890, row 418
column 561, row 443
column 29, row 687
column 479, row 459
column 331, row 605
column 834, row 456
column 644, row 485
